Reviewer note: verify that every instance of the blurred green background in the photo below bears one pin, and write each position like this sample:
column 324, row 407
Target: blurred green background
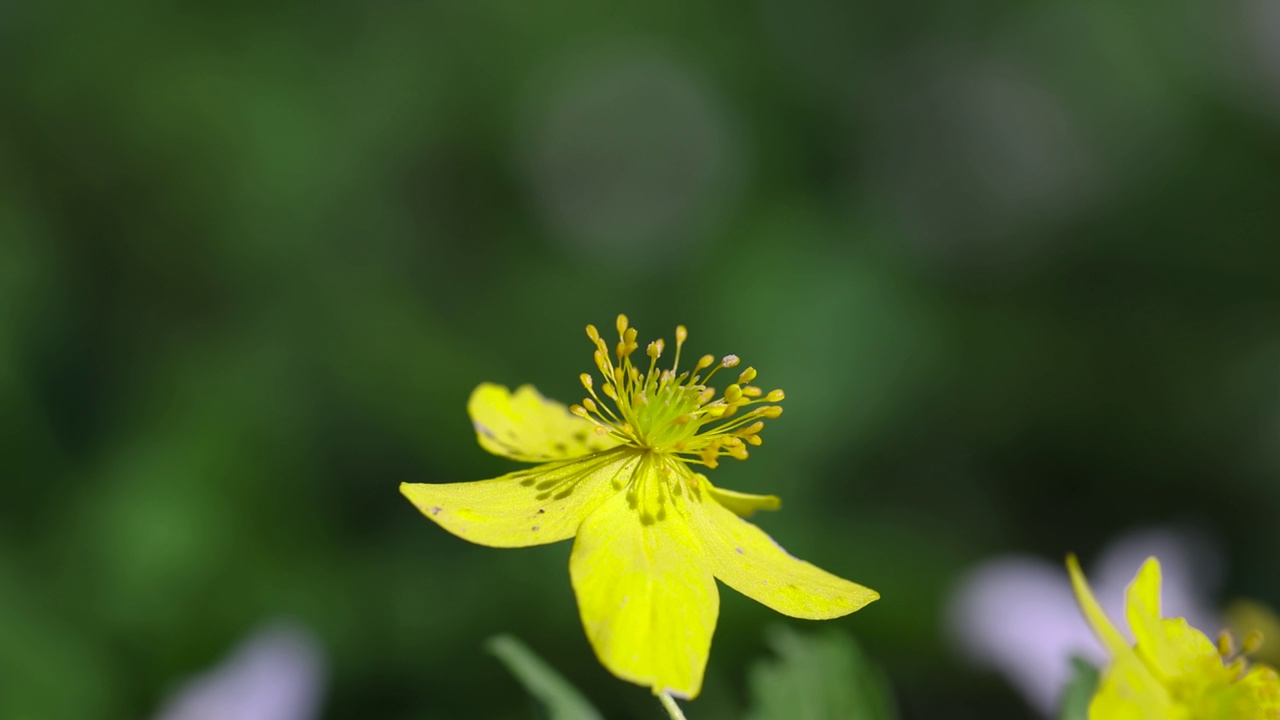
column 1014, row 266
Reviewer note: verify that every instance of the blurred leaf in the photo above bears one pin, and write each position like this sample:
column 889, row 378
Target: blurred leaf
column 561, row 700
column 817, row 677
column 1076, row 697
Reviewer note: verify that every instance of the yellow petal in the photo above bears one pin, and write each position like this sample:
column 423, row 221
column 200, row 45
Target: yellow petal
column 647, row 602
column 1170, row 647
column 531, row 507
column 526, row 426
column 1259, row 692
column 1098, row 620
column 749, row 561
column 1127, row 691
column 744, row 504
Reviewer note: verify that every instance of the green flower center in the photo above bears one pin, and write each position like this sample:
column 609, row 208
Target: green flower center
column 672, row 412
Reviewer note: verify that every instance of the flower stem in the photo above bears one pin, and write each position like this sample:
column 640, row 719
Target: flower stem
column 669, row 704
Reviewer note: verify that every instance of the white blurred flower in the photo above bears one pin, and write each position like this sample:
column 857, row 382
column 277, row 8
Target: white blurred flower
column 278, row 673
column 1016, row 614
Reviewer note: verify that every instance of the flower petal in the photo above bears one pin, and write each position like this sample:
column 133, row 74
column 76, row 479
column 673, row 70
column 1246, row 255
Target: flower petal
column 1259, row 694
column 1171, row 647
column 744, row 504
column 1128, row 691
column 1102, row 626
column 526, row 426
column 647, row 602
column 749, row 561
column 531, row 507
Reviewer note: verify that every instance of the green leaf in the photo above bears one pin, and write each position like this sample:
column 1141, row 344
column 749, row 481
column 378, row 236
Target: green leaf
column 817, row 677
column 1078, row 693
column 561, row 700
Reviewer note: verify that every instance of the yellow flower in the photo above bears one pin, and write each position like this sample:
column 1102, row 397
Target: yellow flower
column 651, row 534
column 1173, row 671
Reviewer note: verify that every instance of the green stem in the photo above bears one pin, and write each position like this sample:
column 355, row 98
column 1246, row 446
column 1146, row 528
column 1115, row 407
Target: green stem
column 669, row 704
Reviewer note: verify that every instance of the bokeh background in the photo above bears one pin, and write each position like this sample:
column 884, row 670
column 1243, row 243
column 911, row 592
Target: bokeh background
column 1015, row 266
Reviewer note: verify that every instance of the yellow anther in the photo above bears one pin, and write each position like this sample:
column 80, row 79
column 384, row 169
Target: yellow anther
column 775, row 396
column 586, row 380
column 578, row 410
column 754, row 440
column 752, row 429
column 769, row 411
column 602, row 430
column 589, row 404
column 593, row 333
column 622, row 324
column 752, row 391
column 704, row 362
column 747, row 376
column 1253, row 641
column 681, row 335
column 654, row 350
column 684, row 419
column 630, row 336
column 608, row 390
column 1225, row 644
column 733, row 394
column 730, row 361
column 706, row 396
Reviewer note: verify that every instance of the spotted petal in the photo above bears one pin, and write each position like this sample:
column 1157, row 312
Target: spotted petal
column 648, row 605
column 540, row 505
column 746, row 559
column 526, row 426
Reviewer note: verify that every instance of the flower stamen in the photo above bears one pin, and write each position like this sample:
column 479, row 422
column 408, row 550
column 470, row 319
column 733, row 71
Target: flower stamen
column 665, row 410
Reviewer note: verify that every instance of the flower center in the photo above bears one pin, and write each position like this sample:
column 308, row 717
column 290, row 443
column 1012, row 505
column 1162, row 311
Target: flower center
column 673, row 412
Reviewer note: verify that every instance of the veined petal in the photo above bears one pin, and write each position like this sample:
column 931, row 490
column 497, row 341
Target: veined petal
column 746, row 559
column 1170, row 647
column 1107, row 633
column 531, row 507
column 648, row 605
column 526, row 426
column 743, row 504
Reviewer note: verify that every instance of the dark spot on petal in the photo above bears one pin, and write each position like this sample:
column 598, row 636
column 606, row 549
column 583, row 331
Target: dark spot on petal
column 512, row 434
column 561, row 447
column 436, row 510
column 541, row 510
column 580, row 436
column 739, row 550
column 526, row 482
column 535, row 527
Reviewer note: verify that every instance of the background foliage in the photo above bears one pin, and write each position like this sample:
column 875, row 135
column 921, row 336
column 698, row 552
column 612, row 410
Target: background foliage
column 1014, row 266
